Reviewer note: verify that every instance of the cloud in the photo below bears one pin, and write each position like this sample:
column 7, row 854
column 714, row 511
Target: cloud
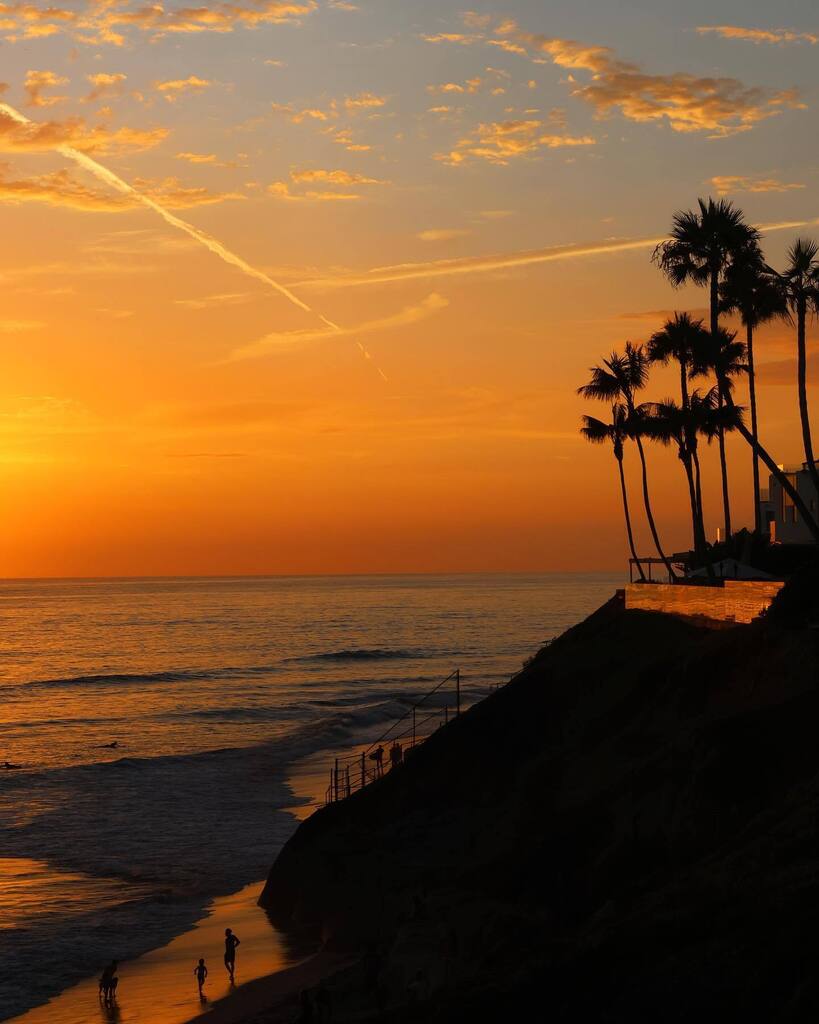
column 336, row 177
column 36, row 83
column 107, row 22
column 365, row 101
column 725, row 184
column 759, row 35
column 61, row 189
column 453, row 37
column 198, row 158
column 344, row 137
column 281, row 190
column 687, row 103
column 442, row 234
column 471, row 85
column 42, row 136
column 175, row 88
column 499, row 142
column 285, row 340
column 104, row 85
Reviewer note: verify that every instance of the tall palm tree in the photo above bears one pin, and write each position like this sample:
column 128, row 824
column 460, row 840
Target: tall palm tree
column 680, row 339
column 751, row 289
column 702, row 246
column 618, row 380
column 801, row 284
column 667, row 422
column 723, row 356
column 615, row 432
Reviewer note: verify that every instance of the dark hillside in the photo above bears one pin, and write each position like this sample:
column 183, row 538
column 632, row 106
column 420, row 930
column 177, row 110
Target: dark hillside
column 629, row 830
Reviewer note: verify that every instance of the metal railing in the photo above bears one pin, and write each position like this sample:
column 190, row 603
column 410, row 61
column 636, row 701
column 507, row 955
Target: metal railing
column 352, row 773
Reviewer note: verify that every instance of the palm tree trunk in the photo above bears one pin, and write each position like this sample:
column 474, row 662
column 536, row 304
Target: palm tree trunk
column 749, row 342
column 723, row 462
column 684, row 384
column 783, row 481
column 802, row 374
column 649, row 513
column 628, row 519
column 726, row 501
column 692, row 497
column 706, row 557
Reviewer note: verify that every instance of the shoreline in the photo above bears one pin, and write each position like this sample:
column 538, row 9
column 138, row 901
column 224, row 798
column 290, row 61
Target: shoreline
column 158, row 987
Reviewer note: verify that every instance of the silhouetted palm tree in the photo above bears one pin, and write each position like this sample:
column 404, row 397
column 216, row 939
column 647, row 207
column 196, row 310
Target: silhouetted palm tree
column 680, row 339
column 801, row 284
column 701, row 248
column 670, row 423
column 754, row 291
column 619, row 379
column 598, row 432
column 725, row 358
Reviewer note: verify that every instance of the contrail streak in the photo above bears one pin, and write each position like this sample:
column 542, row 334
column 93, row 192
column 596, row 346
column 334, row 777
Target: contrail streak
column 504, row 261
column 212, row 244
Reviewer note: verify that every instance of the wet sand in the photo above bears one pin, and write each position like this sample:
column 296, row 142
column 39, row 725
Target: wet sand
column 160, row 988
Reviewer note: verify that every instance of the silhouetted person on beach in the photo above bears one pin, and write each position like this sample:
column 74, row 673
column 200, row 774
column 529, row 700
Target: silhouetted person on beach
column 231, row 942
column 201, row 973
column 377, row 757
column 109, row 981
column 396, row 755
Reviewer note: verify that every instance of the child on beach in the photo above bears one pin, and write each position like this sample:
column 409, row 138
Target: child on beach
column 201, row 973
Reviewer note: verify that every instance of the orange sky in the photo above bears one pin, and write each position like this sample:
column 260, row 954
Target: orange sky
column 162, row 412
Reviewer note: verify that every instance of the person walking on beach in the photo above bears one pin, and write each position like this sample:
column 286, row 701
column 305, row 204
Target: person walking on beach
column 109, row 982
column 201, row 973
column 396, row 754
column 231, row 942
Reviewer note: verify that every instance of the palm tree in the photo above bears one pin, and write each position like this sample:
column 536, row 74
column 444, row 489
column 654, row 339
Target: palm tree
column 679, row 339
column 723, row 356
column 670, row 423
column 751, row 289
column 700, row 250
column 618, row 380
column 598, row 432
column 801, row 284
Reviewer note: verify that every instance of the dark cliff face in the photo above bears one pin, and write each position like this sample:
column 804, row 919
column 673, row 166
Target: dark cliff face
column 629, row 830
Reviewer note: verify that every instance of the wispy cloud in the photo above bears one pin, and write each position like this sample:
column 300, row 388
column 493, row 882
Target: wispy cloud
column 41, row 136
column 105, row 85
column 109, row 22
column 759, row 35
column 286, row 340
column 177, row 87
column 729, row 183
column 37, row 83
column 441, row 234
column 499, row 142
column 62, row 189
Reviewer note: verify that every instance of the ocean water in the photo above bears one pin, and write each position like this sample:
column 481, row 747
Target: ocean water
column 211, row 690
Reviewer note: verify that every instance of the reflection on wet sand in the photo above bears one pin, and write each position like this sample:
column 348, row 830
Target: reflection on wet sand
column 160, row 988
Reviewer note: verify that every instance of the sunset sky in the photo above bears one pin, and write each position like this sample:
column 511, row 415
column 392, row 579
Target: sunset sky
column 470, row 196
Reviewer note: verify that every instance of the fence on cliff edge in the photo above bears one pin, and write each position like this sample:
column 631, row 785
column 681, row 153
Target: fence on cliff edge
column 421, row 719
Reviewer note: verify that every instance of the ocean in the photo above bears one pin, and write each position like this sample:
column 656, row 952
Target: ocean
column 212, row 690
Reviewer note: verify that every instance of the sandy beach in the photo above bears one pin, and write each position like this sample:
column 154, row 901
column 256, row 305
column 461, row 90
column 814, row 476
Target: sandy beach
column 159, row 987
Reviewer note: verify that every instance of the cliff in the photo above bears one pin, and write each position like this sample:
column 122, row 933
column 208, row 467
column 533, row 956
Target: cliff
column 629, row 830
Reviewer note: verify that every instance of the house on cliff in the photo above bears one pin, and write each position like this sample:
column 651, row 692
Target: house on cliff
column 778, row 511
